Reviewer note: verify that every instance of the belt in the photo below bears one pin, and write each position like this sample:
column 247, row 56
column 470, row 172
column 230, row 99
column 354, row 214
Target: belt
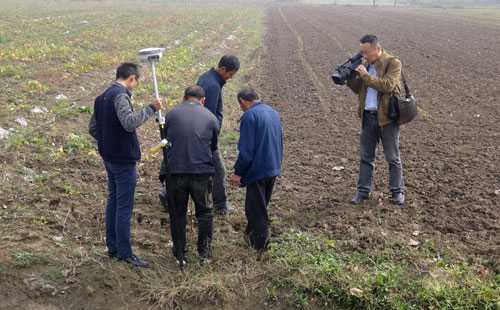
column 371, row 112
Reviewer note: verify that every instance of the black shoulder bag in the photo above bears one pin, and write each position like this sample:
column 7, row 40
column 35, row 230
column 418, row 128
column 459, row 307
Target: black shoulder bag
column 403, row 109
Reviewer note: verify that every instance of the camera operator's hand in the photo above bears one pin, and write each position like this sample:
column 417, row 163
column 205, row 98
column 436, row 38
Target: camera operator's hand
column 157, row 104
column 361, row 70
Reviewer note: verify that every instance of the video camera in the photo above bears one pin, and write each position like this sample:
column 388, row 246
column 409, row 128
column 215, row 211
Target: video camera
column 346, row 70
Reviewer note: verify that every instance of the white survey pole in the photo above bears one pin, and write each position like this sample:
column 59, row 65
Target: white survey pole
column 159, row 116
column 152, row 56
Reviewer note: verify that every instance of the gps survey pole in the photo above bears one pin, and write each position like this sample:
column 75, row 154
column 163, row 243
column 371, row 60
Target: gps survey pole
column 152, row 56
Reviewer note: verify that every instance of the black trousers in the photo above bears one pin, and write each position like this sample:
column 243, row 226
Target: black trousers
column 199, row 188
column 258, row 196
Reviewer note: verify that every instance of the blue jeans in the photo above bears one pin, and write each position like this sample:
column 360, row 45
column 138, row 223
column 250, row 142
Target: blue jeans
column 122, row 179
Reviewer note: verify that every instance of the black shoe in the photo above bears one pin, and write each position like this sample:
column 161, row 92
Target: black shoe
column 398, row 199
column 205, row 256
column 181, row 262
column 225, row 210
column 205, row 260
column 359, row 198
column 163, row 200
column 135, row 261
column 180, row 259
column 113, row 255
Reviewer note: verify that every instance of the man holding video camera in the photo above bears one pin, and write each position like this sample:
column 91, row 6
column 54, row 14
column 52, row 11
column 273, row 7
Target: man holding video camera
column 374, row 84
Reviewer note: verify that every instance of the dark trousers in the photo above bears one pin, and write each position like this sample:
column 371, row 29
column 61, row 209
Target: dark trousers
column 219, row 196
column 122, row 179
column 199, row 188
column 371, row 135
column 258, row 196
column 219, row 192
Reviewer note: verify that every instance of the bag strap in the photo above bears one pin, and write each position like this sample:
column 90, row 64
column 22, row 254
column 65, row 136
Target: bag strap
column 405, row 85
column 403, row 78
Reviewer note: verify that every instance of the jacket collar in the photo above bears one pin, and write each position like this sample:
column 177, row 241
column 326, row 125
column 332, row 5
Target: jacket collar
column 191, row 102
column 217, row 77
column 381, row 63
column 255, row 104
column 129, row 93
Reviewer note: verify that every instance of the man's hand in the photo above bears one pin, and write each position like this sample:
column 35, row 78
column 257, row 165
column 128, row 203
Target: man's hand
column 361, row 69
column 157, row 104
column 235, row 180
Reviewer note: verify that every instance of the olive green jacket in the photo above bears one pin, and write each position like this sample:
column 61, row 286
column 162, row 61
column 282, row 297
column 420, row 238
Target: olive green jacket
column 387, row 83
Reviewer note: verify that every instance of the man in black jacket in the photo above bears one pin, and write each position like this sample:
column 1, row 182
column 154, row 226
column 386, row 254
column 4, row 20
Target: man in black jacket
column 213, row 82
column 192, row 131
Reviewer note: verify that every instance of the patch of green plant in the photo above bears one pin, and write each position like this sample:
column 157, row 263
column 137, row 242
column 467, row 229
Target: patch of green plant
column 76, row 143
column 229, row 137
column 26, row 259
column 40, row 221
column 11, row 71
column 27, row 137
column 15, row 140
column 318, row 272
column 54, row 274
column 34, row 87
column 63, row 108
column 85, row 109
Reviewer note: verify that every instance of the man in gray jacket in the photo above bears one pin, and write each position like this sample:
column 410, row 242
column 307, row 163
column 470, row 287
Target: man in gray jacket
column 192, row 132
column 113, row 125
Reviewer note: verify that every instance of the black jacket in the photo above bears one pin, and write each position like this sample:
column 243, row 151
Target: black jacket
column 213, row 83
column 192, row 132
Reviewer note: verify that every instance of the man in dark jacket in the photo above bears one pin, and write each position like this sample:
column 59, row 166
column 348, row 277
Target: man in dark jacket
column 113, row 125
column 192, row 132
column 213, row 82
column 259, row 163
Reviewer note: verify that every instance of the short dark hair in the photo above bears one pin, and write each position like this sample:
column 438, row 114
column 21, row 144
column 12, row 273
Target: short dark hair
column 127, row 69
column 369, row 38
column 230, row 62
column 194, row 92
column 247, row 94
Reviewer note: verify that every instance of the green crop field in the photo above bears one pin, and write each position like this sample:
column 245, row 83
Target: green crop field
column 54, row 60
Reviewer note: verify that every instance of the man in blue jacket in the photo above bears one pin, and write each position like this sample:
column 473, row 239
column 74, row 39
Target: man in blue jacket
column 213, row 82
column 114, row 125
column 259, row 163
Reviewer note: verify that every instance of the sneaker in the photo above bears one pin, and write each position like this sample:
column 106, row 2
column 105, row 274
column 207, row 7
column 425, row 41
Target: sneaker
column 136, row 262
column 359, row 198
column 181, row 262
column 163, row 200
column 205, row 260
column 398, row 199
column 206, row 256
column 222, row 211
